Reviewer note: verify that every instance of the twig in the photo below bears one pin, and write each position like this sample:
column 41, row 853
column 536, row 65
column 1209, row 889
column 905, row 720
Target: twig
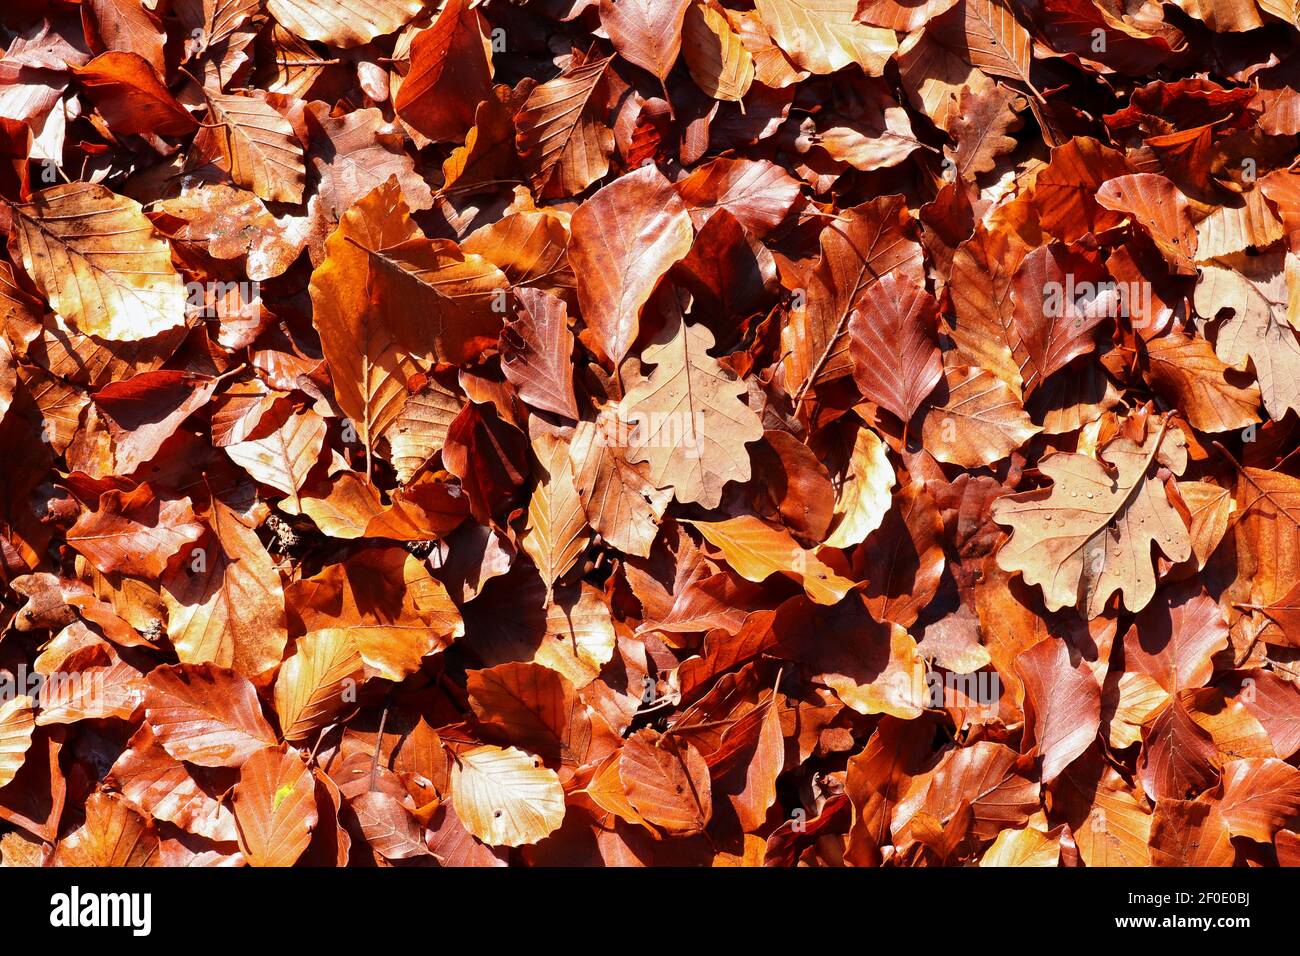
column 379, row 740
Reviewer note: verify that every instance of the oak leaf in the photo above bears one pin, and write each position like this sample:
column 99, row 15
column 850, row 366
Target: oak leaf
column 689, row 420
column 1090, row 534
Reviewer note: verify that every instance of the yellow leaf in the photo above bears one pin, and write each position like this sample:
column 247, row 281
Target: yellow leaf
column 756, row 550
column 505, row 797
column 98, row 260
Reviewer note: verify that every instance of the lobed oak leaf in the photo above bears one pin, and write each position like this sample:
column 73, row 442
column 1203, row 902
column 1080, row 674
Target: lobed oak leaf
column 980, row 129
column 689, row 421
column 355, row 154
column 1090, row 534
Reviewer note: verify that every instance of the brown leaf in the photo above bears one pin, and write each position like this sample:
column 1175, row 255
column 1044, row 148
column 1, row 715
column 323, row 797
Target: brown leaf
column 343, row 23
column 256, row 144
column 16, row 725
column 645, row 32
column 113, row 835
column 205, row 715
column 896, row 360
column 715, row 54
column 1064, row 700
column 625, row 238
column 562, row 135
column 135, row 532
column 97, row 259
column 451, row 71
column 317, row 683
column 537, row 353
column 667, row 781
column 868, row 243
column 131, row 97
column 275, row 807
column 688, row 419
column 823, row 37
column 1090, row 534
column 980, row 422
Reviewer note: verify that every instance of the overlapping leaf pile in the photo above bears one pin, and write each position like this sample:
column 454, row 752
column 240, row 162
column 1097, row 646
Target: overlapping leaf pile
column 649, row 432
